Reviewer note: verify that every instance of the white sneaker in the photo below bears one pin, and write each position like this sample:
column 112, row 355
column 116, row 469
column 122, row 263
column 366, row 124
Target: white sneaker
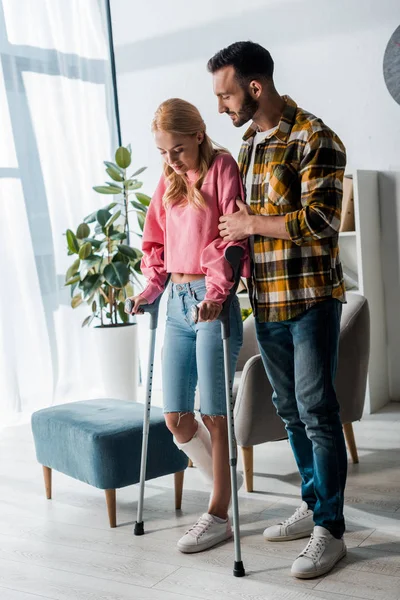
column 204, row 534
column 299, row 525
column 320, row 555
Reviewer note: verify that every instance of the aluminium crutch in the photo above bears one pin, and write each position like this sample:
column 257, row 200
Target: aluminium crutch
column 233, row 255
column 152, row 309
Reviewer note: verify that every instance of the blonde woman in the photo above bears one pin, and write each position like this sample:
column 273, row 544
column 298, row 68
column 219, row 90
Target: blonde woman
column 181, row 236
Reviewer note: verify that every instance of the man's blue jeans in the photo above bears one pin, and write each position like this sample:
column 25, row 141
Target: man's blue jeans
column 300, row 358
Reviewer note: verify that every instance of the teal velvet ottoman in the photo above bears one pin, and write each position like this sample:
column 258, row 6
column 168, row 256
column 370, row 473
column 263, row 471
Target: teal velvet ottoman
column 99, row 442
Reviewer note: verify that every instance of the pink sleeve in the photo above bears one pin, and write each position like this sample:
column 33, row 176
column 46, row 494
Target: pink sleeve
column 218, row 272
column 152, row 264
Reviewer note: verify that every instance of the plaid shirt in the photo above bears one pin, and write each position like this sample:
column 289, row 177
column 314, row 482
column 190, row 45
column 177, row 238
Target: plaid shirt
column 298, row 173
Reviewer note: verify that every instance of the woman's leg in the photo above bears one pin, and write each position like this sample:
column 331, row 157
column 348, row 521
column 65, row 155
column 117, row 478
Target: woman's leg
column 210, row 366
column 179, row 383
column 219, row 501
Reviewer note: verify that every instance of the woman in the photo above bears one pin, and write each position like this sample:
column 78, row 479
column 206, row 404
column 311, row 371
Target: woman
column 181, row 237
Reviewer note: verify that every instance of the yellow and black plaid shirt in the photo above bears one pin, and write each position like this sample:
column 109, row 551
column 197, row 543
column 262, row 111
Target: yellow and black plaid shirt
column 298, row 173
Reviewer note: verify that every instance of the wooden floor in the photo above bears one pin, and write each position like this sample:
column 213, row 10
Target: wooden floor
column 63, row 549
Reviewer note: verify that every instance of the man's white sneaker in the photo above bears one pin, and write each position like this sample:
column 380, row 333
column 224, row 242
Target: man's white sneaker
column 299, row 525
column 320, row 555
column 204, row 534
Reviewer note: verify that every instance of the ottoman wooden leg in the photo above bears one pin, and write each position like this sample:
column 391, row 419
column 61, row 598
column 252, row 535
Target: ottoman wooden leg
column 47, row 481
column 111, row 507
column 190, row 464
column 178, row 477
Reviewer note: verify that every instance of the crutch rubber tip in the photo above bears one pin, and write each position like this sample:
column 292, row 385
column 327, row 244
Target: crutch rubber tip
column 139, row 528
column 238, row 569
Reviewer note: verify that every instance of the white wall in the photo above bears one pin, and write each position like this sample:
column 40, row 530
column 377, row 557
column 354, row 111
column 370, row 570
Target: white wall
column 328, row 57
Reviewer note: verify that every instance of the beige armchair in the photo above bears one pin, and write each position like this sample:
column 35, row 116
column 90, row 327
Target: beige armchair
column 256, row 420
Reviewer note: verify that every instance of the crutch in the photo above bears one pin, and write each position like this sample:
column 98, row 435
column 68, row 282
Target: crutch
column 152, row 309
column 233, row 255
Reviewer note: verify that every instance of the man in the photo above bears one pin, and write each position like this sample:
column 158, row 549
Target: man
column 292, row 166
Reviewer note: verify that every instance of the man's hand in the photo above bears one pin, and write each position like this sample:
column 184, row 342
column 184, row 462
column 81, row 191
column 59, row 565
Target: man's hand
column 237, row 226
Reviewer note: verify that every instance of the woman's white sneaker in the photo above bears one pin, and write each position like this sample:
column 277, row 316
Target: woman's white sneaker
column 320, row 555
column 207, row 532
column 299, row 525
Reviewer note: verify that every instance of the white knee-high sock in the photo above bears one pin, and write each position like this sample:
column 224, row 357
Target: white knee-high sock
column 198, row 449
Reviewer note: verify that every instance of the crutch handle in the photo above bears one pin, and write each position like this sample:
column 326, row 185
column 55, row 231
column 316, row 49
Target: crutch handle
column 233, row 255
column 152, row 308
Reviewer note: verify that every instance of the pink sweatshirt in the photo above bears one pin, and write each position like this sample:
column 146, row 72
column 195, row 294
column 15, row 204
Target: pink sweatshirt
column 184, row 239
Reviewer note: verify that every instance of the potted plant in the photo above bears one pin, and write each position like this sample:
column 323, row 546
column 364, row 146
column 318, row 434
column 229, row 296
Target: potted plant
column 105, row 269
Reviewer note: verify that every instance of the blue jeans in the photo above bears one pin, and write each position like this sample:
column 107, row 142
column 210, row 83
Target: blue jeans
column 194, row 352
column 300, row 358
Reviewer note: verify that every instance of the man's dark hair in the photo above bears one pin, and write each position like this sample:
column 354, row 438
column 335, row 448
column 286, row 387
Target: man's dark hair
column 250, row 61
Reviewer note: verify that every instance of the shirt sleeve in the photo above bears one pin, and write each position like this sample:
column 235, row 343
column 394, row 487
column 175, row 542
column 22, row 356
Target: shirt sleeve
column 217, row 270
column 321, row 174
column 152, row 264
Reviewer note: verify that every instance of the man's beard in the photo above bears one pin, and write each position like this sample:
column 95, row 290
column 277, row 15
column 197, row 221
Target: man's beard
column 247, row 110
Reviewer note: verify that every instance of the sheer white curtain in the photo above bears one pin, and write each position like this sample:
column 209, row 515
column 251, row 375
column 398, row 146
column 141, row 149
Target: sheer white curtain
column 56, row 128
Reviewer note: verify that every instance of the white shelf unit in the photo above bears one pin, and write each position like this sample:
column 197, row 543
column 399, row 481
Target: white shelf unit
column 360, row 252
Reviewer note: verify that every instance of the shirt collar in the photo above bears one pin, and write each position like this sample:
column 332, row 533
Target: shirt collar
column 284, row 126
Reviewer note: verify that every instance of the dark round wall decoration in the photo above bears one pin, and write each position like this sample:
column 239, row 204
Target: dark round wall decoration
column 391, row 65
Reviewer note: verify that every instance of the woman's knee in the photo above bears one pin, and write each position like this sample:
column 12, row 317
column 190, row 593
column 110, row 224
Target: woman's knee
column 216, row 424
column 182, row 425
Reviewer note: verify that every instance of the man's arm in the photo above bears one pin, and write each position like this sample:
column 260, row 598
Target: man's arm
column 321, row 173
column 244, row 223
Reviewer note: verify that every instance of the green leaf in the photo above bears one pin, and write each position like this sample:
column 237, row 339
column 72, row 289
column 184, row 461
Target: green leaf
column 90, row 284
column 90, row 218
column 110, row 206
column 85, row 250
column 138, row 172
column 123, row 157
column 128, row 251
column 143, row 198
column 120, row 258
column 118, row 236
column 111, row 165
column 112, row 220
column 83, row 231
column 104, row 189
column 132, row 185
column 72, row 270
column 72, row 242
column 114, row 174
column 139, row 207
column 122, row 314
column 103, row 216
column 89, row 263
column 114, row 186
column 76, row 301
column 141, row 220
column 73, row 280
column 116, row 274
column 95, row 243
column 87, row 320
column 94, row 306
column 91, row 260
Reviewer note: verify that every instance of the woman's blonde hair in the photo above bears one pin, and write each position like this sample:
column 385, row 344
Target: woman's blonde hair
column 180, row 117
